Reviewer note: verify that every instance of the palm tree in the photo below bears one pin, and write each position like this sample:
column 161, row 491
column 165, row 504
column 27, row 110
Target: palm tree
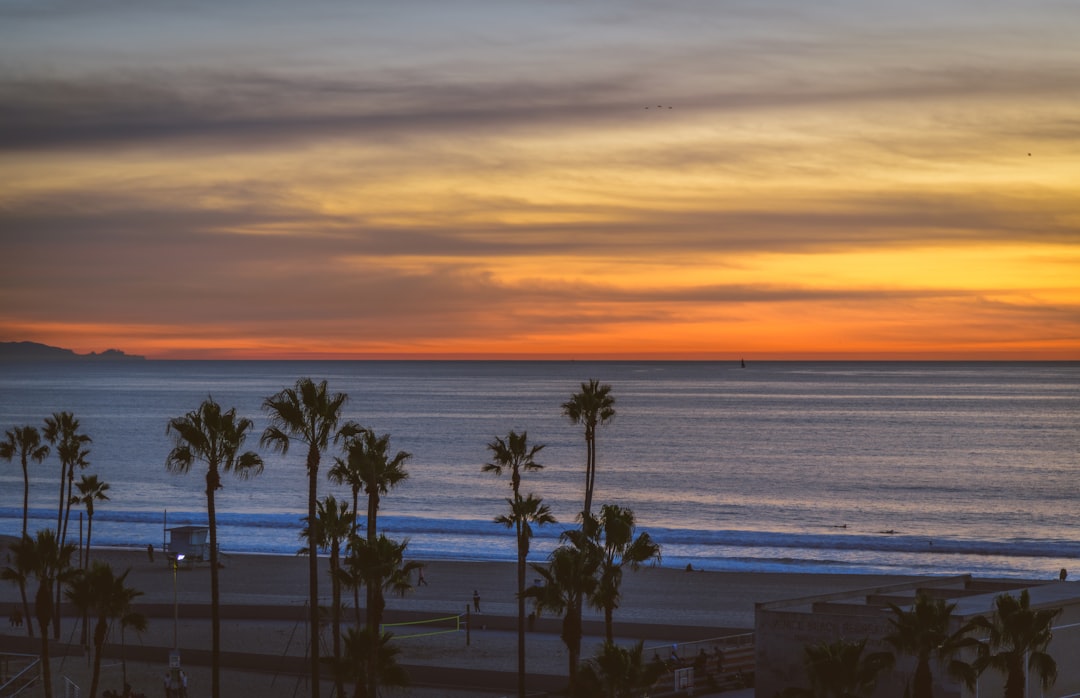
column 366, row 652
column 1016, row 632
column 381, row 564
column 100, row 592
column 525, row 512
column 348, row 471
column 618, row 672
column 514, row 454
column 26, row 443
column 214, row 437
column 380, row 472
column 50, row 563
column 593, row 406
column 613, row 534
column 923, row 632
column 18, row 571
column 310, row 415
column 62, row 431
column 569, row 577
column 90, row 489
column 333, row 525
column 840, row 670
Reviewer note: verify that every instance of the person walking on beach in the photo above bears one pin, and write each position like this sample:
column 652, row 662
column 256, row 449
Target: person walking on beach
column 476, row 600
column 420, row 581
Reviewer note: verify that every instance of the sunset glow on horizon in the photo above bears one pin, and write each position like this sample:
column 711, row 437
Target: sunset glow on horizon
column 588, row 180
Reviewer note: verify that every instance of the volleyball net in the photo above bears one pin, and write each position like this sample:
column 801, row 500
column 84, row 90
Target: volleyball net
column 426, row 627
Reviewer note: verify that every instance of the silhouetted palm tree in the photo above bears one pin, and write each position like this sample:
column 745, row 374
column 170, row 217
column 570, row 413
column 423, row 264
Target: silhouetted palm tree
column 380, row 472
column 50, row 564
column 349, row 471
column 593, row 406
column 214, row 437
column 101, row 593
column 569, row 577
column 1017, row 633
column 613, row 534
column 381, row 564
column 923, row 632
column 333, row 526
column 91, row 490
column 18, row 571
column 26, row 443
column 840, row 670
column 618, row 672
column 515, row 454
column 366, row 652
column 62, row 431
column 309, row 414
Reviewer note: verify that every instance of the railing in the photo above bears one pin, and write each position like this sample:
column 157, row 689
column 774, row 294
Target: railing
column 15, row 684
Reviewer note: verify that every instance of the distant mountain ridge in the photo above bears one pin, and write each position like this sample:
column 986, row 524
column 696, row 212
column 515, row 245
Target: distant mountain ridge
column 34, row 351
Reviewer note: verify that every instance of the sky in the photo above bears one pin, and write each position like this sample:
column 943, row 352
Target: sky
column 565, row 179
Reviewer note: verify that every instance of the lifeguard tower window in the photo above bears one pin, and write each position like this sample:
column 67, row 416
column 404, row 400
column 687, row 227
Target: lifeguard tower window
column 189, row 541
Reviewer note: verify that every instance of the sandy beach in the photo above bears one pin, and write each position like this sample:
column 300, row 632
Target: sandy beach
column 264, row 621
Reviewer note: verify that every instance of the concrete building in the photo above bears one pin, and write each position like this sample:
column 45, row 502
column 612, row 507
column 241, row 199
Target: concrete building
column 784, row 628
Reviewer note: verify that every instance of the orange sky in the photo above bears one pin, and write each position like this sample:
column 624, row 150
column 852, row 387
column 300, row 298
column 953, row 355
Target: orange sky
column 565, row 180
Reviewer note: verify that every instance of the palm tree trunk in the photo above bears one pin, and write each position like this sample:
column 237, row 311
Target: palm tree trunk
column 313, row 565
column 25, row 503
column 609, row 624
column 99, row 643
column 26, row 609
column 89, row 530
column 372, row 589
column 60, row 538
column 215, row 593
column 335, row 585
column 521, row 614
column 356, row 529
column 42, row 602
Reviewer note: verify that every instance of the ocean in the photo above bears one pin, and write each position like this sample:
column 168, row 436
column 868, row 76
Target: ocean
column 845, row 467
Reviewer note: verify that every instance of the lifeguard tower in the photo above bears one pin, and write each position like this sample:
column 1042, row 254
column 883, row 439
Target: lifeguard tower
column 189, row 541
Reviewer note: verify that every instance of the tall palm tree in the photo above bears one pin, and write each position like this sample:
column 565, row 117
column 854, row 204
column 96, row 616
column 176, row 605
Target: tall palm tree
column 1016, row 632
column 309, row 414
column 840, row 670
column 923, row 632
column 369, row 455
column 214, row 437
column 569, row 577
column 381, row 564
column 515, row 454
column 348, row 471
column 525, row 512
column 50, row 564
column 102, row 593
column 18, row 571
column 91, row 490
column 26, row 443
column 62, row 431
column 333, row 526
column 613, row 534
column 592, row 407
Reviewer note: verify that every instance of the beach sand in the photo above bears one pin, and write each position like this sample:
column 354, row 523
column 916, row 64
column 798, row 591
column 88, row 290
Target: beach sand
column 263, row 599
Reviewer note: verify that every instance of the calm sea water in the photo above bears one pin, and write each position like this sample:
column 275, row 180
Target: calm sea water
column 924, row 468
